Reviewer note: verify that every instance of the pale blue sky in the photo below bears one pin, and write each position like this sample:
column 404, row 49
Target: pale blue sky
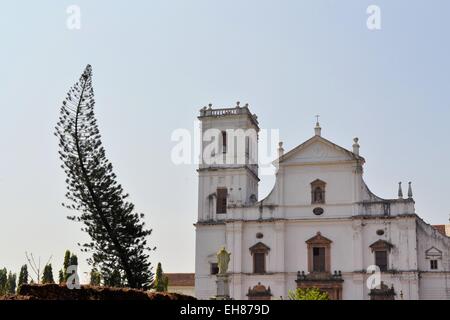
column 156, row 63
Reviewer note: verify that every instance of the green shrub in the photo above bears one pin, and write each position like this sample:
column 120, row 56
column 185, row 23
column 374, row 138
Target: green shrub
column 308, row 294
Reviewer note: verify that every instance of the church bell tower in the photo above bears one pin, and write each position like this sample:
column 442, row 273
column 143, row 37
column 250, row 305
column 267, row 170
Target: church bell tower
column 228, row 168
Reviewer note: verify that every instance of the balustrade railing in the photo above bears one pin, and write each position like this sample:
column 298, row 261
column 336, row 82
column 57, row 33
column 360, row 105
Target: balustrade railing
column 208, row 112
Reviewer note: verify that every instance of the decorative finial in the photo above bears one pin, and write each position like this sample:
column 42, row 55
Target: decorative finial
column 237, row 104
column 246, row 105
column 400, row 191
column 317, row 129
column 410, row 193
column 280, row 149
column 356, row 146
column 210, row 106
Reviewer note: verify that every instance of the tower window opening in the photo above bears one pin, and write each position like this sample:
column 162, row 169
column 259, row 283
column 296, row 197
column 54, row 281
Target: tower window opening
column 221, row 200
column 224, row 141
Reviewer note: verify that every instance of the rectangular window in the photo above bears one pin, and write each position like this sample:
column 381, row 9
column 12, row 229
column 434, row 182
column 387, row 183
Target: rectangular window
column 433, row 264
column 381, row 260
column 214, row 268
column 319, row 259
column 221, row 200
column 259, row 261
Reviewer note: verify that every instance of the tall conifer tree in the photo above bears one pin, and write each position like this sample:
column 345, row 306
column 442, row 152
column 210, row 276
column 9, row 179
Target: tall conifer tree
column 3, row 281
column 11, row 283
column 161, row 281
column 47, row 274
column 23, row 276
column 118, row 234
column 66, row 264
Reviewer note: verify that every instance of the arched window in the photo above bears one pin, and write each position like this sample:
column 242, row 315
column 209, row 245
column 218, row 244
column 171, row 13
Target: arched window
column 318, row 192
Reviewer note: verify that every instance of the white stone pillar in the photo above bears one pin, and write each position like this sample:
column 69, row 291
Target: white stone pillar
column 358, row 288
column 234, row 246
column 278, row 253
column 358, row 246
column 279, row 187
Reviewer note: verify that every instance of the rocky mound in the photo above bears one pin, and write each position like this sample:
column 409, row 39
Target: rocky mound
column 60, row 292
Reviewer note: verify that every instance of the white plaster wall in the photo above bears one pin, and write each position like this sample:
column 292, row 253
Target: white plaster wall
column 288, row 254
column 297, row 184
column 350, row 253
column 429, row 237
column 209, row 239
column 400, row 232
column 240, row 186
column 230, row 122
column 435, row 286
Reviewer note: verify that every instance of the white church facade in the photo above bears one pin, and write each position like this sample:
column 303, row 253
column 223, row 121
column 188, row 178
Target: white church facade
column 319, row 227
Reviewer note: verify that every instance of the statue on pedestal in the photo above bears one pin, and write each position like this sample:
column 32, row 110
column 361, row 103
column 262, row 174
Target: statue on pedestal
column 223, row 287
column 223, row 259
